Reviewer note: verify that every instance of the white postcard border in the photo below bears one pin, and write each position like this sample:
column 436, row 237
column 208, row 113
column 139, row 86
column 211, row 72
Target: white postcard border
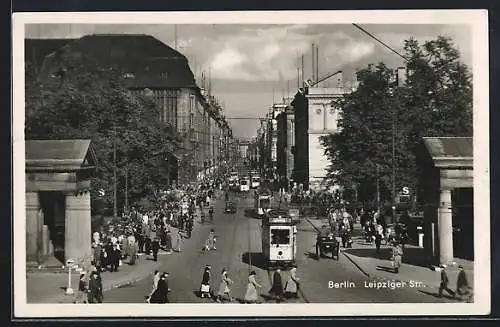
column 477, row 19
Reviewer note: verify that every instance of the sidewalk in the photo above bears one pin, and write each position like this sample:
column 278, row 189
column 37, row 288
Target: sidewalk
column 415, row 267
column 47, row 287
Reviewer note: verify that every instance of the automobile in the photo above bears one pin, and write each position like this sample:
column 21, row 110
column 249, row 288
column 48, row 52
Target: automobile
column 327, row 244
column 244, row 185
column 230, row 207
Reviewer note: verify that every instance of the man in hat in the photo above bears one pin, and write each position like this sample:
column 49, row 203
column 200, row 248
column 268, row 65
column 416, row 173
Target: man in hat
column 463, row 287
column 443, row 286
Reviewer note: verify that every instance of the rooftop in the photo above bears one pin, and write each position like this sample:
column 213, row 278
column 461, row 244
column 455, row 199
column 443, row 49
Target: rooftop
column 66, row 155
column 450, row 151
column 145, row 60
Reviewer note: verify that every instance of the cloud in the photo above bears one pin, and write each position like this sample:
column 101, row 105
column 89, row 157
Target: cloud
column 261, row 54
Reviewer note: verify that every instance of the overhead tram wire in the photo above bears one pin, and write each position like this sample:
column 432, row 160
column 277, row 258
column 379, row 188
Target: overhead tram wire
column 379, row 41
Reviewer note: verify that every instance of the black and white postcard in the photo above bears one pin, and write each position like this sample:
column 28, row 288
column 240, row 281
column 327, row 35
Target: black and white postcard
column 295, row 163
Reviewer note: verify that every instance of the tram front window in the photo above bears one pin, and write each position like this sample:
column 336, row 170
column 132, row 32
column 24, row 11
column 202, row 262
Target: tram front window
column 280, row 236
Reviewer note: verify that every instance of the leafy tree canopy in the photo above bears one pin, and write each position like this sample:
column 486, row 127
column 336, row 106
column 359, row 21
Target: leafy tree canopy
column 434, row 100
column 85, row 100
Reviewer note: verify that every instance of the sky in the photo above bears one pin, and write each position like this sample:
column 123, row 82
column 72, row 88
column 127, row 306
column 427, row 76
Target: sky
column 252, row 66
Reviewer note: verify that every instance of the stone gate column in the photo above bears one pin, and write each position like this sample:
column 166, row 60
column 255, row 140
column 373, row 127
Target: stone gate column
column 32, row 227
column 78, row 227
column 445, row 227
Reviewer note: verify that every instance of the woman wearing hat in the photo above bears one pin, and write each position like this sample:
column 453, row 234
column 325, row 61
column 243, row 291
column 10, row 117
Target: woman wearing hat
column 251, row 295
column 160, row 295
column 292, row 284
column 224, row 290
column 81, row 294
column 205, row 283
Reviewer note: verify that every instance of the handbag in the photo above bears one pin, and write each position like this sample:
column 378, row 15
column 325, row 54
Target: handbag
column 205, row 288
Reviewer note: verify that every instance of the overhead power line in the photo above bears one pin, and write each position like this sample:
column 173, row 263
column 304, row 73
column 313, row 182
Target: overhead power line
column 380, row 41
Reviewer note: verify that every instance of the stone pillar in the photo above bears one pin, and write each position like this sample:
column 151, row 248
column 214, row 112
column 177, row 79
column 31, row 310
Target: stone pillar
column 78, row 227
column 32, row 228
column 445, row 227
column 45, row 241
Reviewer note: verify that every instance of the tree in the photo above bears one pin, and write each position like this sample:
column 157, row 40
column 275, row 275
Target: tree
column 91, row 102
column 435, row 100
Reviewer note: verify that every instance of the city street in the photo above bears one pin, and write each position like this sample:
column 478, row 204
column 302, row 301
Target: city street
column 238, row 235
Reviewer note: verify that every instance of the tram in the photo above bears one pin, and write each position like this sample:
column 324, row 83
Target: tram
column 279, row 238
column 262, row 203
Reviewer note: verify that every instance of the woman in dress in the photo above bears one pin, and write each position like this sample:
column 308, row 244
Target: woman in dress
column 160, row 295
column 276, row 290
column 81, row 294
column 224, row 290
column 251, row 295
column 292, row 284
column 205, row 283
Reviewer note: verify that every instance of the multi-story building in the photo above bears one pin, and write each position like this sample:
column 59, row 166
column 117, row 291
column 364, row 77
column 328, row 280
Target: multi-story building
column 286, row 142
column 300, row 149
column 323, row 116
column 152, row 68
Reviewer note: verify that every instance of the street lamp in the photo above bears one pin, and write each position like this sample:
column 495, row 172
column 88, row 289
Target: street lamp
column 69, row 290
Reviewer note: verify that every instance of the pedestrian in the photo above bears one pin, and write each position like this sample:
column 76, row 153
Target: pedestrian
column 378, row 238
column 115, row 256
column 179, row 241
column 292, row 284
column 168, row 241
column 160, row 294
column 156, row 247
column 205, row 283
column 156, row 278
column 397, row 256
column 99, row 294
column 97, row 249
column 463, row 287
column 224, row 289
column 443, row 286
column 211, row 240
column 276, row 290
column 251, row 295
column 81, row 294
column 93, row 289
column 132, row 249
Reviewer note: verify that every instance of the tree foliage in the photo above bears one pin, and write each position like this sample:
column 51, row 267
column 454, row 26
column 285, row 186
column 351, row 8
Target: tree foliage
column 83, row 100
column 435, row 100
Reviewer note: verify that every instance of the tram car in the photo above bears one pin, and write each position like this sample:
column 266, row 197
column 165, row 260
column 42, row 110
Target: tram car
column 262, row 203
column 279, row 238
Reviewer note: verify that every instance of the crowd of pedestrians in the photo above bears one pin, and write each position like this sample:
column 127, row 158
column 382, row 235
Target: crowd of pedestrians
column 144, row 232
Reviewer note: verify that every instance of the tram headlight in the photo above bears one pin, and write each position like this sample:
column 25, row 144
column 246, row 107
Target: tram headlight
column 280, row 253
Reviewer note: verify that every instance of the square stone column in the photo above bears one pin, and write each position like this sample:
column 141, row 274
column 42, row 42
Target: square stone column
column 77, row 234
column 32, row 227
column 445, row 227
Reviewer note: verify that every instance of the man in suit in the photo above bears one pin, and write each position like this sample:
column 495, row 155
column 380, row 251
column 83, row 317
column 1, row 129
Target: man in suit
column 443, row 286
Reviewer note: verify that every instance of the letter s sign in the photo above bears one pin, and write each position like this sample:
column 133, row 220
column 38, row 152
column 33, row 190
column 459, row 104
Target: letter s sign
column 406, row 190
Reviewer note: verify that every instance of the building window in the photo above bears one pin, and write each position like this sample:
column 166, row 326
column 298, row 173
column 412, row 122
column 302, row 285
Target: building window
column 318, row 111
column 164, row 75
column 128, row 75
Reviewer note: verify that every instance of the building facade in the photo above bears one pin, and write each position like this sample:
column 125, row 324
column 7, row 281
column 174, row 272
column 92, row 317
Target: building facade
column 323, row 116
column 300, row 149
column 152, row 68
